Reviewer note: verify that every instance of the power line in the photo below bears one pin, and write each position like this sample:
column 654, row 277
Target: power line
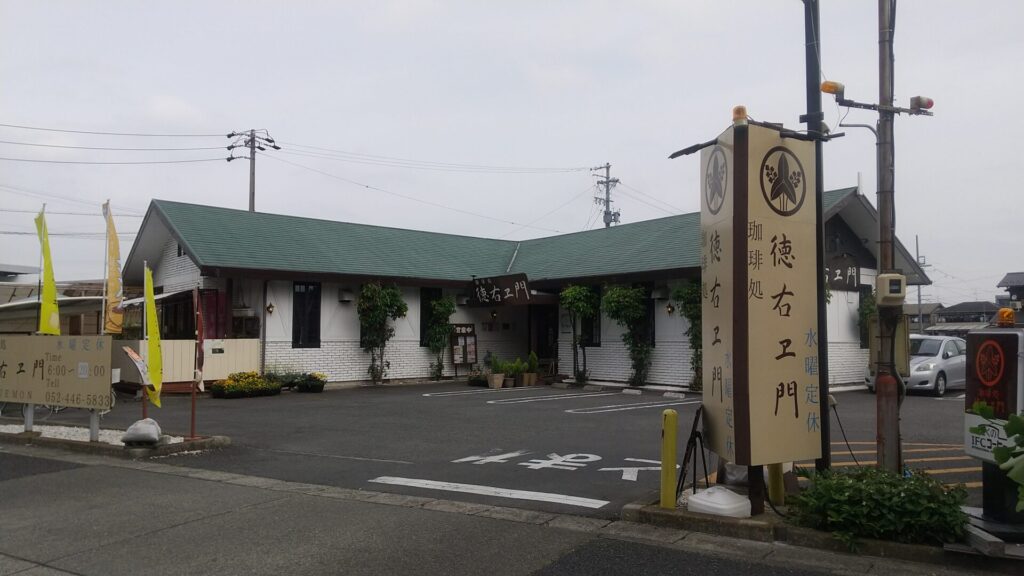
column 432, row 168
column 132, row 162
column 427, row 164
column 111, row 149
column 50, row 196
column 642, row 193
column 138, row 134
column 49, row 212
column 642, row 201
column 73, row 234
column 413, row 198
column 550, row 212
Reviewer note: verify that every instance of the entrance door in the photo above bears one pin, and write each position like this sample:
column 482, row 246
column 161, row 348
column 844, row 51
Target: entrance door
column 544, row 332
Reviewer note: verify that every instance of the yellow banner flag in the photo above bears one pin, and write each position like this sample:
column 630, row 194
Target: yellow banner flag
column 154, row 359
column 49, row 315
column 113, row 317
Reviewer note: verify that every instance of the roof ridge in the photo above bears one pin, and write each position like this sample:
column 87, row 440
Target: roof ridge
column 325, row 220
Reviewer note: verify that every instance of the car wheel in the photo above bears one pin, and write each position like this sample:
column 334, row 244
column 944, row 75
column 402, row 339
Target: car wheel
column 940, row 385
column 871, row 389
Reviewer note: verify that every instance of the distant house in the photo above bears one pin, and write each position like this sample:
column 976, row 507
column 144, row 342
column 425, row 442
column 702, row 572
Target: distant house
column 1014, row 284
column 959, row 319
column 922, row 317
column 286, row 287
column 80, row 305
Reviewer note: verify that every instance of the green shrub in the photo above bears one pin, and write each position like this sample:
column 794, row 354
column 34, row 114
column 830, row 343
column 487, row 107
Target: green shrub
column 244, row 385
column 532, row 363
column 288, row 379
column 872, row 503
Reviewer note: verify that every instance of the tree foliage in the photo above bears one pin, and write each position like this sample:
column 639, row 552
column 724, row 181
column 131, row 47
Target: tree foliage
column 438, row 332
column 582, row 304
column 378, row 306
column 688, row 298
column 628, row 307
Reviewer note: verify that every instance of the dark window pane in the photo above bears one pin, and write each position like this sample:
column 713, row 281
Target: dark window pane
column 306, row 315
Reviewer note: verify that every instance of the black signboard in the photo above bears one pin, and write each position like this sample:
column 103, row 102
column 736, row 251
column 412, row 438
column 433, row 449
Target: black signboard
column 499, row 291
column 463, row 341
column 842, row 273
column 992, row 370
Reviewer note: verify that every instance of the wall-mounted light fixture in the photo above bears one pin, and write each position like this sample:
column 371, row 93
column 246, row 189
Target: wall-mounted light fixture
column 345, row 295
column 494, row 314
column 669, row 308
column 270, row 308
column 660, row 293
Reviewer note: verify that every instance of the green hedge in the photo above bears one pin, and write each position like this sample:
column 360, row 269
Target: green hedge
column 244, row 385
column 872, row 503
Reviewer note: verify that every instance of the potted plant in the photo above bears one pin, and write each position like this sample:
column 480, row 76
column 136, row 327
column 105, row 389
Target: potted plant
column 497, row 376
column 476, row 378
column 530, row 376
column 510, row 374
column 312, row 382
column 519, row 372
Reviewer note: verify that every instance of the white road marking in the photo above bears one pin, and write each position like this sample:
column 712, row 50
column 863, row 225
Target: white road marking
column 633, row 406
column 314, row 454
column 497, row 458
column 487, row 391
column 631, row 474
column 551, row 397
column 492, row 491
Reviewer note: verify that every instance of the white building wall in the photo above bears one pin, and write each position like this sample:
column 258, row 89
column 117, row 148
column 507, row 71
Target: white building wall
column 340, row 357
column 176, row 273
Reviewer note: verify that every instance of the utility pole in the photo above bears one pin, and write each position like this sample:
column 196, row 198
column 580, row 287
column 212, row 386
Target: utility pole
column 886, row 386
column 922, row 264
column 253, row 140
column 608, row 184
column 814, row 119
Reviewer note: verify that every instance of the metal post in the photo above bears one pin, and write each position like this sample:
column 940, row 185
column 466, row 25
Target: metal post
column 812, row 33
column 28, row 412
column 94, row 426
column 252, row 170
column 887, row 407
column 669, row 428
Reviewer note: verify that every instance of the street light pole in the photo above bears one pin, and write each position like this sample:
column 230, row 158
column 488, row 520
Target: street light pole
column 814, row 118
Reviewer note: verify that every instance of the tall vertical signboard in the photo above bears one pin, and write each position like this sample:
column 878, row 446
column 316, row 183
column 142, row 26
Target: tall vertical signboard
column 759, row 297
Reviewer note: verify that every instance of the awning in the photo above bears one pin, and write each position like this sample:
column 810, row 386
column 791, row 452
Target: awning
column 137, row 301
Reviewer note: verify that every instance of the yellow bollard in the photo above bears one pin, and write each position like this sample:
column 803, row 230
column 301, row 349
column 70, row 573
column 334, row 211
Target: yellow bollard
column 669, row 426
column 776, row 485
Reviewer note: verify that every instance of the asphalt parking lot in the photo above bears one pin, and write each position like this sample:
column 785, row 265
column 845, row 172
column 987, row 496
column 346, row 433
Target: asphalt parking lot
column 541, row 448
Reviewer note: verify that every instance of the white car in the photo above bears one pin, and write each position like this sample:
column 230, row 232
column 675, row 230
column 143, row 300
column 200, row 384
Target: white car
column 937, row 363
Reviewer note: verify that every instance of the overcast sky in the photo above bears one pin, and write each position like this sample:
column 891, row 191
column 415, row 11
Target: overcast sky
column 525, row 84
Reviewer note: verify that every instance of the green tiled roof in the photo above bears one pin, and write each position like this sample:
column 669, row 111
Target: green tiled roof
column 237, row 239
column 226, row 238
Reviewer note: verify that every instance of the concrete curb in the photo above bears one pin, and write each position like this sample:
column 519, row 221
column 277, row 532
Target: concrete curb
column 772, row 528
column 35, row 439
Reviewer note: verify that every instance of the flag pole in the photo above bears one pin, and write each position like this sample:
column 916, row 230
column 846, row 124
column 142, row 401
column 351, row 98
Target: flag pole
column 145, row 337
column 39, row 284
column 106, row 272
column 196, row 370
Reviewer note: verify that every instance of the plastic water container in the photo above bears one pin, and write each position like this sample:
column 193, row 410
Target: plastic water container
column 720, row 501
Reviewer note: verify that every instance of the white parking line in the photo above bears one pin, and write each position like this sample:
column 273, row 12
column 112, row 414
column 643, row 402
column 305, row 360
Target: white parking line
column 492, row 491
column 487, row 391
column 633, row 406
column 550, row 397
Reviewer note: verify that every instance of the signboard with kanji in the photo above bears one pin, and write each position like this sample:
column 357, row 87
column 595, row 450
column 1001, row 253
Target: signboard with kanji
column 499, row 291
column 760, row 297
column 994, row 375
column 71, row 371
column 463, row 343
